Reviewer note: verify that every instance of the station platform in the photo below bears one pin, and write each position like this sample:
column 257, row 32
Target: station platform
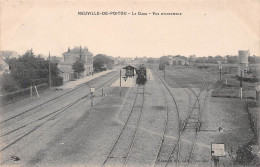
column 73, row 84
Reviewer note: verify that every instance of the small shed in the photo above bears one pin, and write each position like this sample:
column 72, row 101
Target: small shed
column 129, row 71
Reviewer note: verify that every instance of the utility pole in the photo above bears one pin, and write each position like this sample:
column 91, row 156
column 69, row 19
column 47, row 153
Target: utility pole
column 120, row 82
column 220, row 68
column 241, row 86
column 164, row 70
column 49, row 70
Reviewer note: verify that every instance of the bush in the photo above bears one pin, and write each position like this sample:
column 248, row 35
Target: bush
column 15, row 95
column 40, row 81
column 8, row 84
column 57, row 81
column 244, row 154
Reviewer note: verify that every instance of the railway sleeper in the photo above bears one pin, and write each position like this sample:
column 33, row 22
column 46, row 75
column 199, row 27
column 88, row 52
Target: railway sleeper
column 117, row 157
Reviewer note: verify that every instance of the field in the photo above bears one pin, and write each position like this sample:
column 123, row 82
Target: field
column 228, row 87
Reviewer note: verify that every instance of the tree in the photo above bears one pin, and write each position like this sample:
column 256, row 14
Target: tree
column 78, row 66
column 99, row 61
column 251, row 59
column 150, row 60
column 164, row 60
column 30, row 70
column 231, row 59
column 8, row 84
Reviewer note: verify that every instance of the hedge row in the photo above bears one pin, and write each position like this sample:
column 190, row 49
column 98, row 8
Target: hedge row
column 57, row 81
column 14, row 96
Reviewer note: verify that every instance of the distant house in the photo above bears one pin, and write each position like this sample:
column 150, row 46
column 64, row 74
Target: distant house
column 78, row 53
column 8, row 54
column 4, row 67
column 66, row 73
column 178, row 60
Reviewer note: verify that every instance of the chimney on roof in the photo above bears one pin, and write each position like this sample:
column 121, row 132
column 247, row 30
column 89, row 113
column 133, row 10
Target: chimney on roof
column 68, row 49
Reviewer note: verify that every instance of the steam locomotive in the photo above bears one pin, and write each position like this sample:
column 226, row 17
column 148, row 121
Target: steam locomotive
column 141, row 75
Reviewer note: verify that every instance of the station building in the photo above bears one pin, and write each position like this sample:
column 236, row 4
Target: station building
column 71, row 56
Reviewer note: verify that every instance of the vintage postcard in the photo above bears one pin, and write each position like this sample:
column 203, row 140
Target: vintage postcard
column 129, row 83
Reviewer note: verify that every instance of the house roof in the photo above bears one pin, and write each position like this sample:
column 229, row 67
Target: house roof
column 9, row 54
column 3, row 66
column 3, row 62
column 77, row 51
column 65, row 69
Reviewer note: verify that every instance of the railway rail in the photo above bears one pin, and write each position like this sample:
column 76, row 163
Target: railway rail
column 157, row 160
column 195, row 110
column 50, row 102
column 46, row 117
column 137, row 106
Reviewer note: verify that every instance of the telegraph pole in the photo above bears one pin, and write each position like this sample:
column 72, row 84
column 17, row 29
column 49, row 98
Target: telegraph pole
column 220, row 68
column 49, row 70
column 164, row 70
column 120, row 82
column 241, row 86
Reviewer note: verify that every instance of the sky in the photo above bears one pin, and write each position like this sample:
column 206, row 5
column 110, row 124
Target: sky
column 204, row 28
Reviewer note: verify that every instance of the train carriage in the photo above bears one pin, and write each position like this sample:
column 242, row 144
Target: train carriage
column 141, row 75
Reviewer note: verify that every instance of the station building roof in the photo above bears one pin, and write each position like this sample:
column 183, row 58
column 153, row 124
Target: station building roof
column 129, row 66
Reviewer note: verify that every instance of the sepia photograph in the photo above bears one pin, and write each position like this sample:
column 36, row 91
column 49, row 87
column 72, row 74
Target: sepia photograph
column 136, row 83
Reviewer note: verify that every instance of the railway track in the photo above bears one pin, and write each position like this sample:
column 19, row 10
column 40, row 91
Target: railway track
column 47, row 103
column 191, row 122
column 119, row 152
column 24, row 129
column 158, row 158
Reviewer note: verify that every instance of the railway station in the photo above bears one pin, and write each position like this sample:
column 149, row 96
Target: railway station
column 159, row 109
column 141, row 84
